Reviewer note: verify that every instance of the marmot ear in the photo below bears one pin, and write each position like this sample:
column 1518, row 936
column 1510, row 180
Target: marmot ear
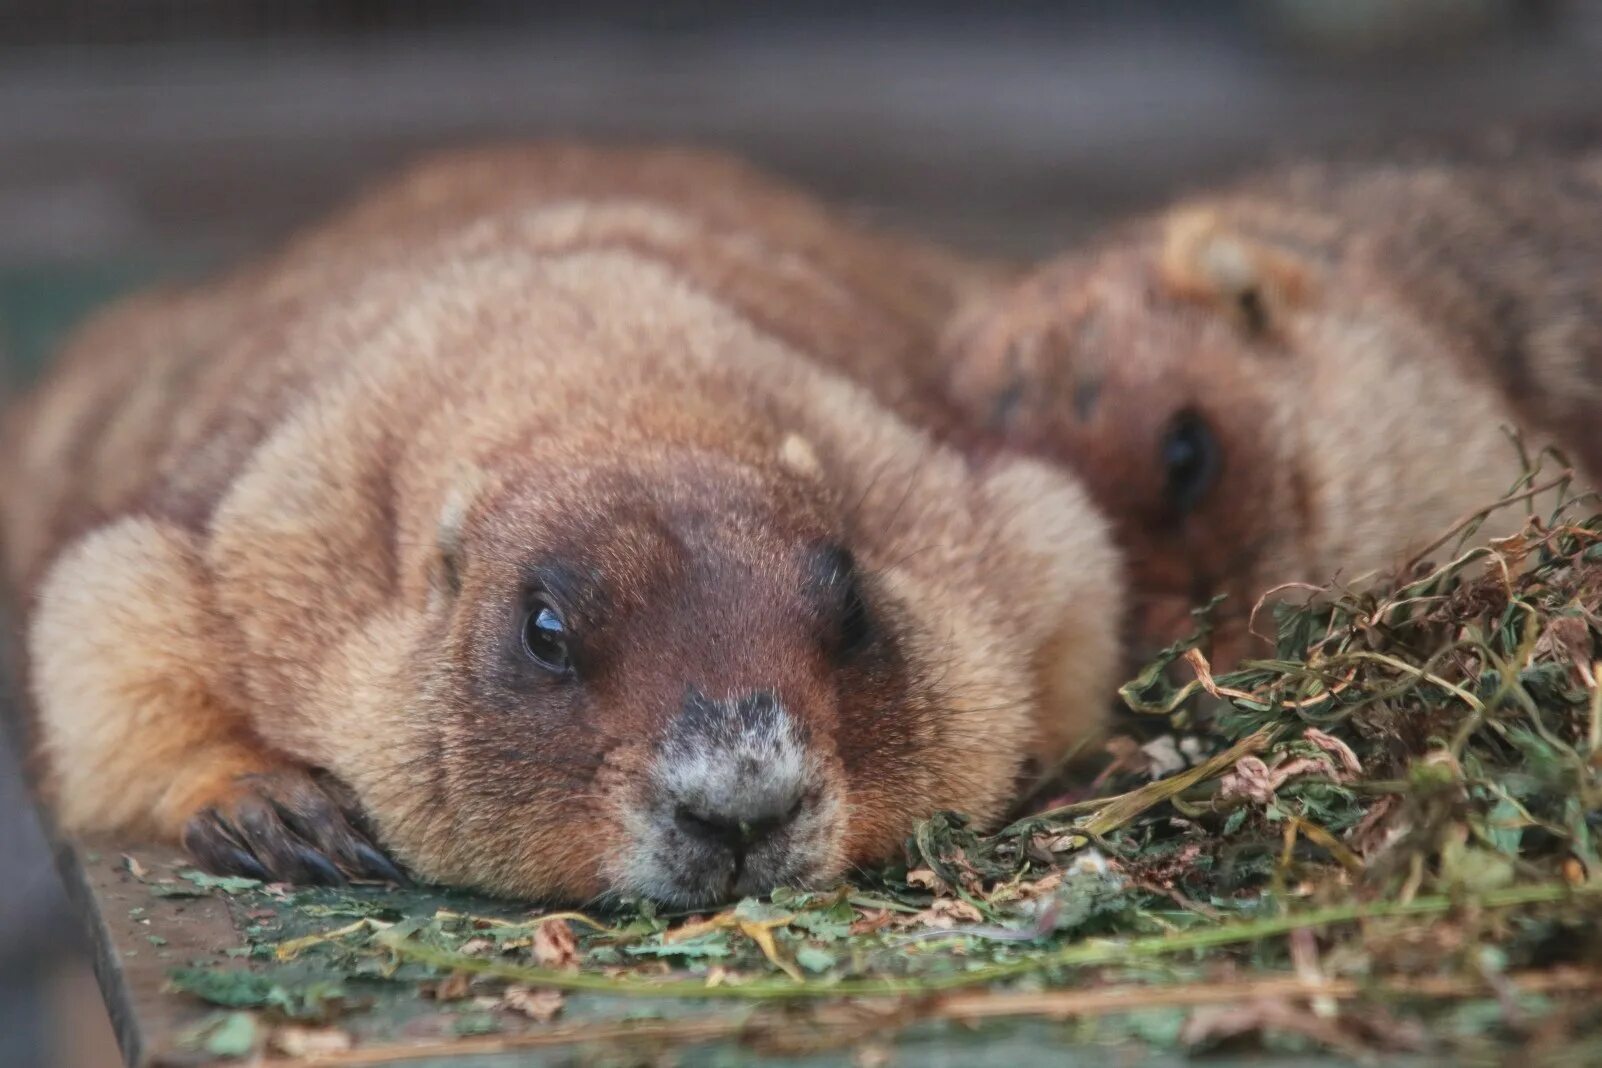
column 799, row 457
column 1206, row 258
column 987, row 351
column 464, row 487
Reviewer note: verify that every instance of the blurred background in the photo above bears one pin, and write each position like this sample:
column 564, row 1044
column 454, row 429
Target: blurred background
column 146, row 138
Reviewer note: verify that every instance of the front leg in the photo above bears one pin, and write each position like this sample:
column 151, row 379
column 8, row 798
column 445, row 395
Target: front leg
column 137, row 735
column 287, row 824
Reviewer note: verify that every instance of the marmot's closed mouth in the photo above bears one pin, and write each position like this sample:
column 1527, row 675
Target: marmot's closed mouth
column 546, row 524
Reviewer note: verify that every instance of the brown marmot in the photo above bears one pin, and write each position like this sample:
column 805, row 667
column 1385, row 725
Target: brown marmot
column 1308, row 375
column 532, row 522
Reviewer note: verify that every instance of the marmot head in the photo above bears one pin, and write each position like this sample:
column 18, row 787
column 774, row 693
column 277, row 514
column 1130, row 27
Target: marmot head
column 1249, row 406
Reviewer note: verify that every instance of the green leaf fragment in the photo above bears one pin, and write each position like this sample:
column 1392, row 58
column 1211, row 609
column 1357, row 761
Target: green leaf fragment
column 476, row 1023
column 815, row 959
column 712, row 945
column 235, row 1036
column 239, row 989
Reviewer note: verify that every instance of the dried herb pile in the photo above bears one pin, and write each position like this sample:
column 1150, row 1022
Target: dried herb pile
column 1381, row 841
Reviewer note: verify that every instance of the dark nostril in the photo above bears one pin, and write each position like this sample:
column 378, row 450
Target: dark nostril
column 702, row 825
column 730, row 831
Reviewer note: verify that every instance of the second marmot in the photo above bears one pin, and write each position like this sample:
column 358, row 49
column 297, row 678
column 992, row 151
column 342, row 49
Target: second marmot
column 1306, row 376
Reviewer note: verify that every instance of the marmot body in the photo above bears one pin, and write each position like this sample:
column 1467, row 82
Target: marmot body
column 1306, row 376
column 533, row 504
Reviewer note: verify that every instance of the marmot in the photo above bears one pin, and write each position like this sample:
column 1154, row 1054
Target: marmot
column 1308, row 375
column 533, row 522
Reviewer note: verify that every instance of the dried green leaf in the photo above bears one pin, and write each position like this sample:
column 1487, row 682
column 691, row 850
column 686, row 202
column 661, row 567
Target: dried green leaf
column 236, row 1036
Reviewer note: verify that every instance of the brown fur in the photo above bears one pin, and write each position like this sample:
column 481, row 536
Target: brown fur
column 287, row 523
column 1356, row 337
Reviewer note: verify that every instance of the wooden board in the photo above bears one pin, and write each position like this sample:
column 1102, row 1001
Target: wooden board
column 121, row 917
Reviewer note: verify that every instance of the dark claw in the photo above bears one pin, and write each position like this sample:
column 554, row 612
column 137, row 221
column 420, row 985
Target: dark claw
column 318, row 868
column 209, row 840
column 245, row 864
column 327, row 816
column 375, row 865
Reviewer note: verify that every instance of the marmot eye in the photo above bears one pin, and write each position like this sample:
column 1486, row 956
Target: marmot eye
column 1190, row 457
column 856, row 625
column 837, row 569
column 545, row 638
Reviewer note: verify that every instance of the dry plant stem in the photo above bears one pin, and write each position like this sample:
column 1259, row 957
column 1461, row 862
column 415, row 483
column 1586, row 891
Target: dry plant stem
column 1205, row 681
column 1424, row 676
column 1595, row 739
column 1128, row 998
column 296, row 946
column 532, row 921
column 1329, row 843
column 1563, row 477
column 1080, row 954
column 1120, row 810
column 1251, row 618
column 1113, row 812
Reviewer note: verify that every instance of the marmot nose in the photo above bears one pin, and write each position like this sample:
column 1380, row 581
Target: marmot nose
column 735, row 772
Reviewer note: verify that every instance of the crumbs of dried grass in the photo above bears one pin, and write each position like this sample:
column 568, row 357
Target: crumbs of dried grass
column 1074, row 955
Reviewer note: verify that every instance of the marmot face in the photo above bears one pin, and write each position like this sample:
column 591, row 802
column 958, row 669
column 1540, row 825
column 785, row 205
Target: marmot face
column 665, row 675
column 1249, row 414
column 1148, row 399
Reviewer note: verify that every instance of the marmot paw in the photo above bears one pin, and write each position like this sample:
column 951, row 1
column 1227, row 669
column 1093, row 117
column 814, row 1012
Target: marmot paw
column 285, row 826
